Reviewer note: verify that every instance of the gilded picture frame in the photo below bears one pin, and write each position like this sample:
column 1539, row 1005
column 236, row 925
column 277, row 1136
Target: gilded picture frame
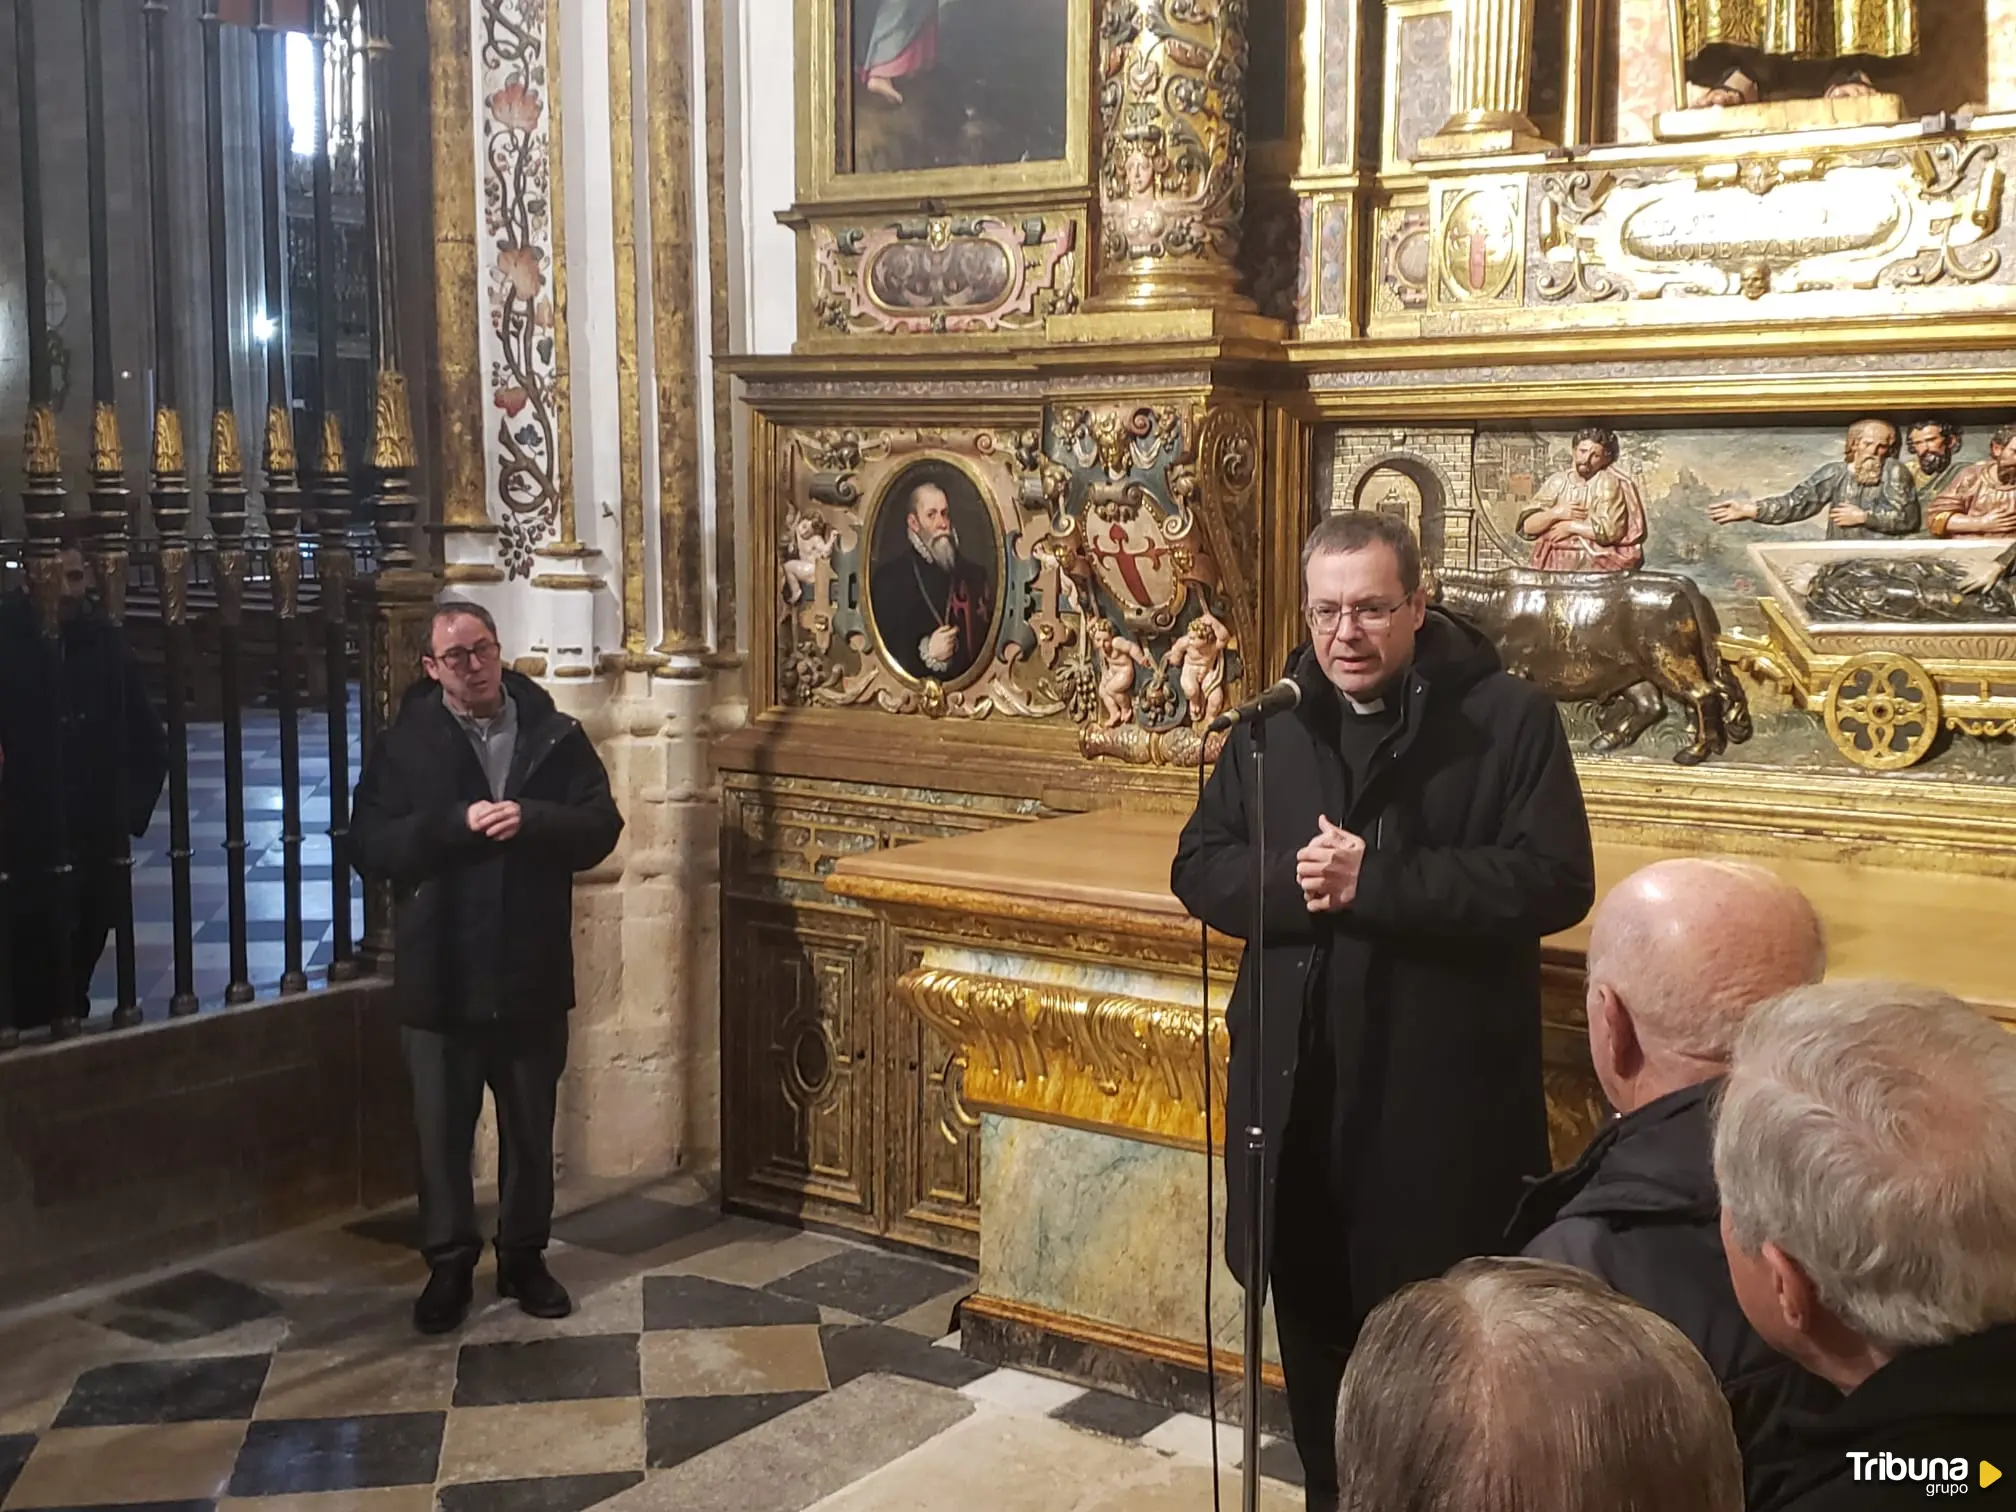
column 971, row 501
column 824, row 35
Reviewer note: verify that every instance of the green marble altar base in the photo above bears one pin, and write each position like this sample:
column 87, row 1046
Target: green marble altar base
column 1092, row 1264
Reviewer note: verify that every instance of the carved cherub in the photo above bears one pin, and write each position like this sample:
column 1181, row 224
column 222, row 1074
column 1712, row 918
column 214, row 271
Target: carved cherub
column 1119, row 659
column 812, row 541
column 1201, row 652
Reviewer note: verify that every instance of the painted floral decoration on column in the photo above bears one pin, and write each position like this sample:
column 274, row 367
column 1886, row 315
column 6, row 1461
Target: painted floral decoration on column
column 520, row 357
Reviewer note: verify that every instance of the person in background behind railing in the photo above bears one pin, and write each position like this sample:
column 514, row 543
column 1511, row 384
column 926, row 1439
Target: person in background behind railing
column 479, row 805
column 64, row 760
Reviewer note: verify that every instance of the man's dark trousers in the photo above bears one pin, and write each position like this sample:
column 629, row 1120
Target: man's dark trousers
column 520, row 1061
column 1315, row 1319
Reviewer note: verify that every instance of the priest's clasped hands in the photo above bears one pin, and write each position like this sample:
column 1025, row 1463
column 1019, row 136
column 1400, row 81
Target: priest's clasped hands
column 1327, row 868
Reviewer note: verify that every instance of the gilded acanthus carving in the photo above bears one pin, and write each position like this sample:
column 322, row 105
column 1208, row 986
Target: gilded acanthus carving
column 332, row 463
column 108, row 456
column 392, row 448
column 1172, row 173
column 940, row 274
column 1068, row 1053
column 227, row 460
column 280, row 457
column 40, row 454
column 168, row 457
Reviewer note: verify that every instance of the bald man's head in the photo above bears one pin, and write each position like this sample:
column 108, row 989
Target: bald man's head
column 1689, row 947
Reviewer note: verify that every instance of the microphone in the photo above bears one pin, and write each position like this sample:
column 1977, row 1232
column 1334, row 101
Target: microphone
column 1279, row 699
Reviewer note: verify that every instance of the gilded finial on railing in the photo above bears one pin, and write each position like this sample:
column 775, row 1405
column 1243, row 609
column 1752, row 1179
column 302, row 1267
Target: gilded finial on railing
column 392, row 448
column 226, row 458
column 40, row 454
column 280, row 440
column 168, row 460
column 332, row 463
column 108, row 457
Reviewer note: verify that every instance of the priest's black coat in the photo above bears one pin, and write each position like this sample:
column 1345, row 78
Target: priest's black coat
column 1477, row 846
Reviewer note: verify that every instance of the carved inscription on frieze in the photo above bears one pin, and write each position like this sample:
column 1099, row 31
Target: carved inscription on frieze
column 1745, row 227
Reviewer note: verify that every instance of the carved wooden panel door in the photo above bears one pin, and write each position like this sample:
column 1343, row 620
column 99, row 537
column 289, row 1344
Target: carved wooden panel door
column 798, row 1093
column 933, row 1139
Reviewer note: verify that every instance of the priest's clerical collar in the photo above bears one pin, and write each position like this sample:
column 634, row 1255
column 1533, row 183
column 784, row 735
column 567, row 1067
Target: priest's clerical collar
column 1369, row 706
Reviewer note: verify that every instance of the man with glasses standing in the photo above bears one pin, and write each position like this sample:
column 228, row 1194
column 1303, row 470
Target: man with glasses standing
column 1424, row 832
column 479, row 805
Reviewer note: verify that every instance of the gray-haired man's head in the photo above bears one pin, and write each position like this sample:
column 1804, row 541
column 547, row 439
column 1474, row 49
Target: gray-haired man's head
column 1865, row 1147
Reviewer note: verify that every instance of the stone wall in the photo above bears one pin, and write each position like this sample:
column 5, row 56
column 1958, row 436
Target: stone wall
column 124, row 1152
column 642, row 1090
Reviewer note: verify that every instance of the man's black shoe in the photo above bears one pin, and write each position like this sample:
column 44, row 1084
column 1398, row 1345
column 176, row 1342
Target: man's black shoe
column 445, row 1302
column 525, row 1278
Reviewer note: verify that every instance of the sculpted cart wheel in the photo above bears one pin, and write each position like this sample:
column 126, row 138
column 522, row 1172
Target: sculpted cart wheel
column 1883, row 711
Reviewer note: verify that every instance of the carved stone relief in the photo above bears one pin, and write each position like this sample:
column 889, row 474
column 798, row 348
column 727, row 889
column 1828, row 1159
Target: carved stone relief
column 1400, row 275
column 1750, row 226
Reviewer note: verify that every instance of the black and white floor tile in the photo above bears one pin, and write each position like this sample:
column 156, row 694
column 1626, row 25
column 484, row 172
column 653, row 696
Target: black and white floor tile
column 711, row 1362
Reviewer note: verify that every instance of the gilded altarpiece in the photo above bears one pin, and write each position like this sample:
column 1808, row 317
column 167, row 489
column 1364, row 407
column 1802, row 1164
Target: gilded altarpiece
column 1029, row 493
column 1000, row 605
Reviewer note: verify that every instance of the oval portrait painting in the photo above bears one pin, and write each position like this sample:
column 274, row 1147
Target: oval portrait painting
column 934, row 572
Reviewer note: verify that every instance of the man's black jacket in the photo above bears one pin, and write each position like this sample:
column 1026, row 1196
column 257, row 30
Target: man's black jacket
column 1946, row 1401
column 1477, row 846
column 1640, row 1209
column 484, row 928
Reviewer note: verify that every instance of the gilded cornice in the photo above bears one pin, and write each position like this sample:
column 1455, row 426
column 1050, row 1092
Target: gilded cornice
column 1066, row 1055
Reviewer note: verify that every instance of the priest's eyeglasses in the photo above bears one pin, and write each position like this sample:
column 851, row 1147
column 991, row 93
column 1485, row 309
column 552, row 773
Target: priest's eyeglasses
column 1325, row 619
column 462, row 658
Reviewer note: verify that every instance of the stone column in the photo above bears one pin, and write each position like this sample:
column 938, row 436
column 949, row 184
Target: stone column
column 468, row 537
column 1172, row 154
column 674, row 346
column 1494, row 64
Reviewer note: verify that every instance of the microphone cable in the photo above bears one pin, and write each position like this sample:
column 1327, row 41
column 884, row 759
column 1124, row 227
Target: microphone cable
column 1210, row 1192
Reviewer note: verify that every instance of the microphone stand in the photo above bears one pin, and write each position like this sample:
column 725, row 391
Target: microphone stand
column 1253, row 1152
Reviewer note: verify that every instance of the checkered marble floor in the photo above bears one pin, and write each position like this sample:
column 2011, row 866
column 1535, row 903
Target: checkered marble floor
column 265, row 895
column 711, row 1363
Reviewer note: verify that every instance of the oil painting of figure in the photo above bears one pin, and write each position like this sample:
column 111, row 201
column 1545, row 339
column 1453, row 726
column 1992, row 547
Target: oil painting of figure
column 954, row 83
column 934, row 574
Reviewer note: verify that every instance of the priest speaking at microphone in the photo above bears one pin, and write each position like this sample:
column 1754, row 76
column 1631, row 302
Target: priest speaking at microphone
column 1425, row 831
